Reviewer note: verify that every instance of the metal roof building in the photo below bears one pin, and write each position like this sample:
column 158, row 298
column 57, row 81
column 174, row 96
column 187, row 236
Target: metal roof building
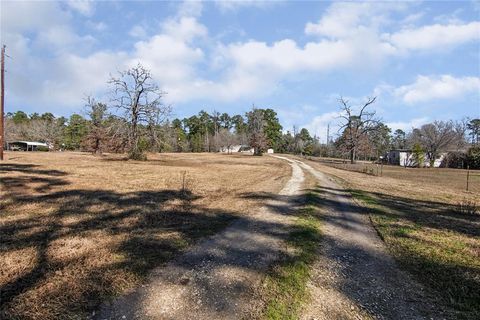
column 26, row 145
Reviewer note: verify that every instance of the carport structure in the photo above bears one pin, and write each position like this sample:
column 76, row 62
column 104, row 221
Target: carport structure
column 26, row 145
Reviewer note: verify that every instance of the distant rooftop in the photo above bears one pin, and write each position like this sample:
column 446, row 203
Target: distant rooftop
column 31, row 143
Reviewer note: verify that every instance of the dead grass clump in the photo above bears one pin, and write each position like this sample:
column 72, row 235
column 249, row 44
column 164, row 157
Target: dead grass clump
column 468, row 207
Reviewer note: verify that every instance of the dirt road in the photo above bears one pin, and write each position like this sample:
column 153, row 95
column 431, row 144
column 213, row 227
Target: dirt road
column 355, row 277
column 217, row 278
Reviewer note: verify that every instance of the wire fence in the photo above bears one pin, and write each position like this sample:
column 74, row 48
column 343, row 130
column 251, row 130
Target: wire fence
column 460, row 179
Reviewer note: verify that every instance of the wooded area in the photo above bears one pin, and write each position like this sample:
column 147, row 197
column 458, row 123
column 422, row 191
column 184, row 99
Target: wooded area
column 136, row 121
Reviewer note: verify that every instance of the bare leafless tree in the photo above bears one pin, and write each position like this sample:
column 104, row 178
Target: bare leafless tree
column 356, row 126
column 140, row 99
column 45, row 130
column 227, row 139
column 438, row 137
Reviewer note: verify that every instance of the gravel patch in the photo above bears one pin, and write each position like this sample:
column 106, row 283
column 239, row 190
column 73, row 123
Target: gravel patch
column 216, row 279
column 355, row 277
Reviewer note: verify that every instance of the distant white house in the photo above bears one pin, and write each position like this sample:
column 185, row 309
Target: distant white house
column 236, row 148
column 240, row 148
column 246, row 149
column 27, row 146
column 405, row 158
column 231, row 149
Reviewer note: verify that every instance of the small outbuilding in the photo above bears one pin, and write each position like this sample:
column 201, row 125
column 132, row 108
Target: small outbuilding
column 246, row 149
column 406, row 158
column 27, row 146
column 231, row 149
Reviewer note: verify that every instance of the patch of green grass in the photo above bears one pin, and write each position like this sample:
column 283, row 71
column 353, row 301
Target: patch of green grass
column 285, row 286
column 425, row 242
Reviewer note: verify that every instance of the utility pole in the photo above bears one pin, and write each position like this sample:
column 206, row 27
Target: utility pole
column 2, row 102
column 328, row 134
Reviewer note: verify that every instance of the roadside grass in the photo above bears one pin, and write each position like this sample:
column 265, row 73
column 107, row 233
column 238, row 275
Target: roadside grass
column 445, row 179
column 76, row 229
column 285, row 286
column 428, row 224
column 437, row 244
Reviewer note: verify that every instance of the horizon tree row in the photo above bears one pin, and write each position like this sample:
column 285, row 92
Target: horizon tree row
column 136, row 121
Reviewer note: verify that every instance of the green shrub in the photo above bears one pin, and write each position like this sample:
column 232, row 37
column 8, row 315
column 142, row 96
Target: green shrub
column 418, row 155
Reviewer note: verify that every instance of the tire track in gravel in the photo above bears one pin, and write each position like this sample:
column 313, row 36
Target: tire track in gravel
column 217, row 278
column 355, row 277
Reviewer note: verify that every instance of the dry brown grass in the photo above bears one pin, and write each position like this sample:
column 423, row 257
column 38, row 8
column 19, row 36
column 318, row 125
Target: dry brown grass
column 442, row 183
column 416, row 212
column 76, row 229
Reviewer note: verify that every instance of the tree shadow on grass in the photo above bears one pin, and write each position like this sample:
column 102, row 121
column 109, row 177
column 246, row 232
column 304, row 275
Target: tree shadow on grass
column 30, row 169
column 454, row 282
column 216, row 277
column 87, row 244
column 398, row 298
column 398, row 218
column 431, row 214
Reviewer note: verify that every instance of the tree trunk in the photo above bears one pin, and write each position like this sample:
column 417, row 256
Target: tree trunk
column 432, row 159
column 97, row 150
column 352, row 155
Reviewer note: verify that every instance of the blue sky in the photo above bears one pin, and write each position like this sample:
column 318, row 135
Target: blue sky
column 421, row 59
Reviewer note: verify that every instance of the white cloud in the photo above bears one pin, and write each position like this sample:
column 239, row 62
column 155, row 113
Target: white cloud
column 171, row 60
column 233, row 5
column 450, row 17
column 319, row 125
column 408, row 125
column 25, row 16
column 98, row 26
column 412, row 18
column 286, row 56
column 138, row 31
column 69, row 70
column 365, row 21
column 185, row 28
column 435, row 36
column 427, row 88
column 190, row 9
column 183, row 55
column 62, row 38
column 84, row 7
column 344, row 20
column 64, row 80
column 78, row 76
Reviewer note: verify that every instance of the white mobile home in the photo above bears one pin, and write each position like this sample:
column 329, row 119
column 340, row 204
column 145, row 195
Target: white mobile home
column 405, row 158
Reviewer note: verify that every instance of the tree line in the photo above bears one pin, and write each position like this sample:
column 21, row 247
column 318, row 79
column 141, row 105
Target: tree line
column 135, row 121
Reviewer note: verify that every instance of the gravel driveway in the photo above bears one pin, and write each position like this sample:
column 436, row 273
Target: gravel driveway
column 355, row 277
column 216, row 279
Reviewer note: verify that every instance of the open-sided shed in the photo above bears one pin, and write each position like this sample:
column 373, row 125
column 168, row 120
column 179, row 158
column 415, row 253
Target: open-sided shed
column 26, row 146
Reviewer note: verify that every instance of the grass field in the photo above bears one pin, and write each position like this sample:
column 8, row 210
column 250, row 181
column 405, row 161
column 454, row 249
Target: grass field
column 446, row 180
column 416, row 212
column 77, row 229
